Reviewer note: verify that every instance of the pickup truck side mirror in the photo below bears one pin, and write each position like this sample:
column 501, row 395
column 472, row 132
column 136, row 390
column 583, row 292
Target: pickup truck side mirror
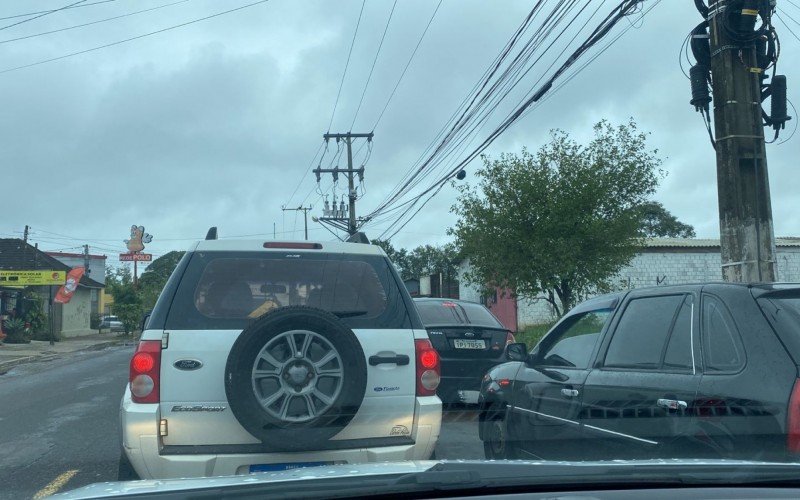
column 517, row 351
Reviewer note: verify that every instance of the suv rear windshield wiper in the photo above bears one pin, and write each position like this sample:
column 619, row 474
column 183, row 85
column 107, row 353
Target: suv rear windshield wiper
column 348, row 314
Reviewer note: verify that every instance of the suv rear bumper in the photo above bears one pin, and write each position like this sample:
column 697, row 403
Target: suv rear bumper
column 141, row 443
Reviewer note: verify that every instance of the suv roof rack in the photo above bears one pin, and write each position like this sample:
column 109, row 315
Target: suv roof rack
column 212, row 233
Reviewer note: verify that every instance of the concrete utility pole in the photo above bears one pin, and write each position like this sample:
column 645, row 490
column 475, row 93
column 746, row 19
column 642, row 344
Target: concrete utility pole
column 747, row 240
column 301, row 208
column 86, row 260
column 350, row 225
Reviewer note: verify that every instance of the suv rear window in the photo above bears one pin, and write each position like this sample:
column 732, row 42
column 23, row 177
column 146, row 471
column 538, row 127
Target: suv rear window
column 447, row 313
column 227, row 290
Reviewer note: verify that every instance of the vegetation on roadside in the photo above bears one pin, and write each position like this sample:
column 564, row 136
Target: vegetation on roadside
column 132, row 302
column 560, row 223
column 532, row 334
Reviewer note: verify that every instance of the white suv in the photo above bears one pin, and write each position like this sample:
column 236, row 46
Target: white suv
column 268, row 356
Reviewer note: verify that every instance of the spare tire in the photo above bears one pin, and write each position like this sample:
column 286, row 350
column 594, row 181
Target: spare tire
column 295, row 377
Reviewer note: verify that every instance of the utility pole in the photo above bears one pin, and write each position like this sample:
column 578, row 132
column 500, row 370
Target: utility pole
column 301, row 208
column 747, row 240
column 86, row 260
column 349, row 223
column 25, row 233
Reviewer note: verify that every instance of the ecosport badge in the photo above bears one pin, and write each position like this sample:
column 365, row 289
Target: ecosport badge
column 212, row 408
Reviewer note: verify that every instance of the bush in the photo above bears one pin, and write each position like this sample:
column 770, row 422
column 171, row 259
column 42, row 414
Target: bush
column 15, row 329
column 94, row 321
column 35, row 316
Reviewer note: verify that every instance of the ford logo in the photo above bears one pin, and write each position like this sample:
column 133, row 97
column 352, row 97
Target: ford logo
column 187, row 364
column 469, row 334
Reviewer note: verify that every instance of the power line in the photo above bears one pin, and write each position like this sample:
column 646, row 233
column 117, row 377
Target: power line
column 311, row 164
column 54, row 10
column 91, row 23
column 119, row 42
column 623, row 10
column 374, row 61
column 347, row 63
column 42, row 15
column 408, row 63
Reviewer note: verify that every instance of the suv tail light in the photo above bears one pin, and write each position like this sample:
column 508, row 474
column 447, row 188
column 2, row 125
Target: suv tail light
column 428, row 371
column 510, row 338
column 145, row 372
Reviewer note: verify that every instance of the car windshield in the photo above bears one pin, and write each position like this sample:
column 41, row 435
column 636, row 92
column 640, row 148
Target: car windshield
column 448, row 313
column 462, row 246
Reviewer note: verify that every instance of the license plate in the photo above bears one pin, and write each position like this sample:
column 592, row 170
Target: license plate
column 469, row 344
column 289, row 466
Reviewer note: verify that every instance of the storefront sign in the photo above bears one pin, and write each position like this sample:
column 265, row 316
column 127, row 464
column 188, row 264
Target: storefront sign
column 32, row 278
column 135, row 257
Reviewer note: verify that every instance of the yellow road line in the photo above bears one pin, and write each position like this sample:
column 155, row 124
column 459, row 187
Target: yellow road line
column 55, row 485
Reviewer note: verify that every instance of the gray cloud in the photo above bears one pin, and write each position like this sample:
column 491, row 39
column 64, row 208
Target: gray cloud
column 215, row 123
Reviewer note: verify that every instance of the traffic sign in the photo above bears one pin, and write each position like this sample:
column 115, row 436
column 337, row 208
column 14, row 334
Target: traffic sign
column 135, row 257
column 32, row 278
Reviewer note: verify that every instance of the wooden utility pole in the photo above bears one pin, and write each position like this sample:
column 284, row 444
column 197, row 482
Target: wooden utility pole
column 747, row 240
column 350, row 223
column 301, row 208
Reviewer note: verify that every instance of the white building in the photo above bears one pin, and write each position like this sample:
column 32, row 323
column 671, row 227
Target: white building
column 664, row 261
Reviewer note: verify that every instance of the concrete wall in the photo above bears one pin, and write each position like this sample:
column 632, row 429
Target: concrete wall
column 652, row 268
column 76, row 314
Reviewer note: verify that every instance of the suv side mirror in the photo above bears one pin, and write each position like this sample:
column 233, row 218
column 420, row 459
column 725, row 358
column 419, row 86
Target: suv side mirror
column 518, row 351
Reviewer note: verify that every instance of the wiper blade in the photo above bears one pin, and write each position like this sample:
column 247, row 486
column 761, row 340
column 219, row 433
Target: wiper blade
column 348, row 314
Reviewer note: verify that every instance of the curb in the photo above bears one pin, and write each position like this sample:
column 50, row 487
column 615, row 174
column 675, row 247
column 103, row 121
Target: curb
column 5, row 366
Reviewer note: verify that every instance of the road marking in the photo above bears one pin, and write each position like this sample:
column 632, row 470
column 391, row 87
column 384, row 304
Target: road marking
column 55, row 485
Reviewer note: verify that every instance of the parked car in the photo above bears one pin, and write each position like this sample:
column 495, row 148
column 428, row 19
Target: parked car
column 676, row 371
column 111, row 323
column 271, row 356
column 469, row 339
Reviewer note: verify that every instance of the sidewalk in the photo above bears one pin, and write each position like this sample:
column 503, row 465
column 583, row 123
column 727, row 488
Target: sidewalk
column 40, row 350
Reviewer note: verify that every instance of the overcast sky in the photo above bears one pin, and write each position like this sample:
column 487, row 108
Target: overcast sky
column 215, row 123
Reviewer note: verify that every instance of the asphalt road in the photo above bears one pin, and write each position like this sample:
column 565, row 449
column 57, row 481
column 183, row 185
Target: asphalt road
column 59, row 424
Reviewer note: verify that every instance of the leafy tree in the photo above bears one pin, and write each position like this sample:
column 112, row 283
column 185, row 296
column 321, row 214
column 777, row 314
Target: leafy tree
column 127, row 302
column 155, row 277
column 658, row 222
column 422, row 260
column 561, row 222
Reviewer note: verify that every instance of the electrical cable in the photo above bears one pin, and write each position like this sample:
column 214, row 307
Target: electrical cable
column 42, row 15
column 119, row 42
column 551, row 16
column 795, row 124
column 346, row 64
column 374, row 62
column 91, row 23
column 623, row 10
column 310, row 164
column 408, row 63
column 55, row 10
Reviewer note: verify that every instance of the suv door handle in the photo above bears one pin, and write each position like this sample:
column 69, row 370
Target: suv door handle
column 399, row 360
column 672, row 404
column 569, row 393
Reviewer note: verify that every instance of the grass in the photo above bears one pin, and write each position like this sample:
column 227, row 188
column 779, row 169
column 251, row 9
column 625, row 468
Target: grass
column 531, row 334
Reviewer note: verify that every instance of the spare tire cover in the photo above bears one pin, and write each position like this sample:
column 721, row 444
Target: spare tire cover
column 295, row 377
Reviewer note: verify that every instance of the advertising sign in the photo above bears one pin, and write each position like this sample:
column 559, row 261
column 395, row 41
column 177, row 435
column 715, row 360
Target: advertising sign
column 32, row 278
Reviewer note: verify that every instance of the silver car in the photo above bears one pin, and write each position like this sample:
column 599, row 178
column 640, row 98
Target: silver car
column 272, row 356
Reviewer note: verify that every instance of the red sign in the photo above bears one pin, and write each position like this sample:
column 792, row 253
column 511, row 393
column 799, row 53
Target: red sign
column 67, row 290
column 138, row 257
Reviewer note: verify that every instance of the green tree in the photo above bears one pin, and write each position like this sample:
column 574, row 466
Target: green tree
column 127, row 301
column 422, row 260
column 155, row 277
column 658, row 222
column 561, row 222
